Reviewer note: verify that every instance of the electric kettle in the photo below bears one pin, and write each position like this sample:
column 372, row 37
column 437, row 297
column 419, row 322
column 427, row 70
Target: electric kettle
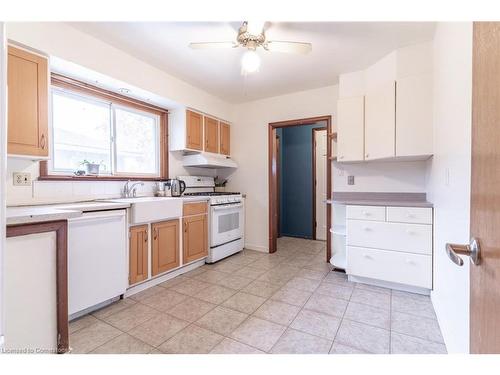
column 177, row 187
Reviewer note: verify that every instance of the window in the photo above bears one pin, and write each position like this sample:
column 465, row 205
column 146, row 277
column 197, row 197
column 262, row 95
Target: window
column 121, row 135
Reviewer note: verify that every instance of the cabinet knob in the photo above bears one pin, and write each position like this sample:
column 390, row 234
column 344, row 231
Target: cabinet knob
column 145, row 236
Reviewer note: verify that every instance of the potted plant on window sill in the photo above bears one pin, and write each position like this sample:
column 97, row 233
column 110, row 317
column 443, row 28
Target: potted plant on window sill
column 91, row 168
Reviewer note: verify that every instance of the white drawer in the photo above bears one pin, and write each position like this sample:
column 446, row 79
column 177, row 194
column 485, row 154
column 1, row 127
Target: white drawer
column 376, row 213
column 410, row 238
column 403, row 268
column 419, row 215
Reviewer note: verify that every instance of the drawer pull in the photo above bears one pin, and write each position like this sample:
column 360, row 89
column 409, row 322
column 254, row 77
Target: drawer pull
column 409, row 215
column 412, row 262
column 367, row 256
column 409, row 231
column 367, row 229
column 366, row 213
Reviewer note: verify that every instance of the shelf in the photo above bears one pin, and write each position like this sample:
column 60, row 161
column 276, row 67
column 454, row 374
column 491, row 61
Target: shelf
column 339, row 230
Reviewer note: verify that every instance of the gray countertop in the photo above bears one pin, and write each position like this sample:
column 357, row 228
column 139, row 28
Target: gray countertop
column 380, row 199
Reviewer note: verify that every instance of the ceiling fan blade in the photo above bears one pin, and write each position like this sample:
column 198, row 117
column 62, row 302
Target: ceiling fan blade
column 288, row 47
column 213, row 45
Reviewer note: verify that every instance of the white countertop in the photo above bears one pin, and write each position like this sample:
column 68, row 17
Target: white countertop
column 38, row 214
column 63, row 211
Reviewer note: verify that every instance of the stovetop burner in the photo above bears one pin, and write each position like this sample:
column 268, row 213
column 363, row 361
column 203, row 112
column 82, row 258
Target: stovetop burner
column 210, row 193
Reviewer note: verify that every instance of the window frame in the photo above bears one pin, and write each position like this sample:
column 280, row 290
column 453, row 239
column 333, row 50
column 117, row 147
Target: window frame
column 71, row 86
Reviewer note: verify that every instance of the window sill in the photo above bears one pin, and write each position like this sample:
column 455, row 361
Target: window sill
column 96, row 178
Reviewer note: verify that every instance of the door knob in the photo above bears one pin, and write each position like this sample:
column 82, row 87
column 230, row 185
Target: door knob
column 472, row 250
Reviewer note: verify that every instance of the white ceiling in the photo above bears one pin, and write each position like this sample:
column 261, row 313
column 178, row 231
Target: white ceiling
column 338, row 47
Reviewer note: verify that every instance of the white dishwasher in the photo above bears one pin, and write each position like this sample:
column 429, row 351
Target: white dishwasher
column 97, row 259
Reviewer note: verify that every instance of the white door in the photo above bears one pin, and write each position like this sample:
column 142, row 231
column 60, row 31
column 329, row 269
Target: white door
column 351, row 127
column 380, row 122
column 320, row 143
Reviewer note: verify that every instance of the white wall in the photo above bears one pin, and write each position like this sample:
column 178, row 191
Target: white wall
column 3, row 166
column 67, row 43
column 249, row 149
column 452, row 142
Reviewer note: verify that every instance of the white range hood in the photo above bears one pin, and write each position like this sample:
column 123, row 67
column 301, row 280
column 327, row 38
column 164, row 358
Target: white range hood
column 208, row 160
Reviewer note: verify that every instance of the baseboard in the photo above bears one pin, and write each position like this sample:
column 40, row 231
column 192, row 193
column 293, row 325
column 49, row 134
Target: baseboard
column 262, row 249
column 390, row 285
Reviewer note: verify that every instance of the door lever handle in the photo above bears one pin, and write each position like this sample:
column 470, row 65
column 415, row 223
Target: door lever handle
column 472, row 250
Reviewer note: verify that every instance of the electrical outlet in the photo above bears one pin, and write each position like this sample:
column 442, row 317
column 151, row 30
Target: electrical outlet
column 350, row 180
column 22, row 179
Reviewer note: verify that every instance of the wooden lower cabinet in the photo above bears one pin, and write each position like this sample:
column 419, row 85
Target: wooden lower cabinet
column 165, row 246
column 195, row 238
column 138, row 254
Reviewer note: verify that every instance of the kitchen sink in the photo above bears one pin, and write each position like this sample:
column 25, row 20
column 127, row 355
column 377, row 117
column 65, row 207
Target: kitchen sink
column 148, row 209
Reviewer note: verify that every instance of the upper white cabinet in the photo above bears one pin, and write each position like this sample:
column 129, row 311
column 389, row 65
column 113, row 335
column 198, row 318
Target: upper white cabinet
column 396, row 117
column 414, row 116
column 350, row 129
column 380, row 122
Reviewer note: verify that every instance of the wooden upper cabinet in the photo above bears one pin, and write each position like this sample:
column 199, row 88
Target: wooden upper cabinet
column 27, row 81
column 194, row 130
column 138, row 254
column 211, row 134
column 224, row 143
column 195, row 238
column 165, row 246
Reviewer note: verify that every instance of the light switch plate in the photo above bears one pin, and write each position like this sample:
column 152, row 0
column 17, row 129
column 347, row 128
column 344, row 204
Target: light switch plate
column 350, row 180
column 21, row 179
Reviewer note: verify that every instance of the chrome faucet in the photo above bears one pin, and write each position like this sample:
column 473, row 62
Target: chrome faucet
column 129, row 191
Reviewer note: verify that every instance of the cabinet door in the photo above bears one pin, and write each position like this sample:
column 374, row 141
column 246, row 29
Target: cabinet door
column 350, row 128
column 225, row 132
column 195, row 239
column 138, row 254
column 194, row 130
column 380, row 122
column 165, row 246
column 211, row 134
column 27, row 81
column 414, row 116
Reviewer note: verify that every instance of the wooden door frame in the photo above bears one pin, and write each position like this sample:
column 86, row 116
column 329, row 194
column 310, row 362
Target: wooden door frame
column 314, row 221
column 272, row 177
column 278, row 182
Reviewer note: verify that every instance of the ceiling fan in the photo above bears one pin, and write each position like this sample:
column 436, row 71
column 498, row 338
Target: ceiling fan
column 251, row 35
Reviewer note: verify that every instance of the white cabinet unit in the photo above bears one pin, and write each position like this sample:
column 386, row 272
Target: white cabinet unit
column 396, row 267
column 390, row 244
column 350, row 125
column 30, row 287
column 366, row 212
column 414, row 116
column 380, row 122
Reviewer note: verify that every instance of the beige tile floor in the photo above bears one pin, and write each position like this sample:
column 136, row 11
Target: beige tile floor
column 287, row 302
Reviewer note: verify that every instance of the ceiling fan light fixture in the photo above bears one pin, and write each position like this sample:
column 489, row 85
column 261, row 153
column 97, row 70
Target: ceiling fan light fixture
column 255, row 27
column 250, row 62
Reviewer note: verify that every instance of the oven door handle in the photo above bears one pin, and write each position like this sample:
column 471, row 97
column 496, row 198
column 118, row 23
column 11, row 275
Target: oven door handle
column 226, row 207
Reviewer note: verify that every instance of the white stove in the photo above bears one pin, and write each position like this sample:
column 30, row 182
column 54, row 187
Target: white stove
column 226, row 218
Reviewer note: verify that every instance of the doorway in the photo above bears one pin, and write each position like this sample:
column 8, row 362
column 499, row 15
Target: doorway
column 275, row 144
